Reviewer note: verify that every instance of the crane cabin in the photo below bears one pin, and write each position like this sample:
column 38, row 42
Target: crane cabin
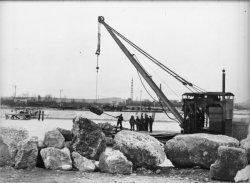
column 210, row 112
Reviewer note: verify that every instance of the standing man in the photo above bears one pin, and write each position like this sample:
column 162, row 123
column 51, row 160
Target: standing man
column 142, row 123
column 151, row 120
column 146, row 122
column 137, row 122
column 132, row 123
column 119, row 122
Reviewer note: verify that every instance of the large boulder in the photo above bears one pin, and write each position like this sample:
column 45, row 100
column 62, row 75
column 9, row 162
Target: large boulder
column 67, row 134
column 245, row 144
column 82, row 164
column 141, row 149
column 88, row 138
column 4, row 154
column 11, row 137
column 54, row 138
column 26, row 157
column 230, row 160
column 114, row 162
column 196, row 149
column 56, row 159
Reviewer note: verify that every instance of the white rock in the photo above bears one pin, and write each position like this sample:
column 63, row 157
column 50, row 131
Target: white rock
column 114, row 162
column 56, row 159
column 141, row 149
column 199, row 149
column 82, row 163
column 54, row 138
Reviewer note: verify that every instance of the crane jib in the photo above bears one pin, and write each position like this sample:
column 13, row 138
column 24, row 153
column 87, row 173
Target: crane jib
column 144, row 74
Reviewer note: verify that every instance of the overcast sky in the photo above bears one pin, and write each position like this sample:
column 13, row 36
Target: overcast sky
column 48, row 46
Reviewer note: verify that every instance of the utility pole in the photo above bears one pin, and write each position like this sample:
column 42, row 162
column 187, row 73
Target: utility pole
column 15, row 87
column 223, row 83
column 15, row 91
column 132, row 89
column 140, row 99
column 60, row 97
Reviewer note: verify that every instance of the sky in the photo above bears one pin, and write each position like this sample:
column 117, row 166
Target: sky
column 49, row 46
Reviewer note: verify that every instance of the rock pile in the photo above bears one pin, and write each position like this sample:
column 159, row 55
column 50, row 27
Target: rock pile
column 54, row 151
column 82, row 147
column 196, row 149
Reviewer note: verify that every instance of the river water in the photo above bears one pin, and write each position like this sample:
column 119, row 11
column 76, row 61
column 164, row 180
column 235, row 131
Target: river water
column 63, row 119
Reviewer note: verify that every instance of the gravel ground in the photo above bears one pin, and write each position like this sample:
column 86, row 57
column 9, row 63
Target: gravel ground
column 39, row 175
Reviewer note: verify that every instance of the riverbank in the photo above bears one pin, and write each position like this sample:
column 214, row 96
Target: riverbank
column 166, row 174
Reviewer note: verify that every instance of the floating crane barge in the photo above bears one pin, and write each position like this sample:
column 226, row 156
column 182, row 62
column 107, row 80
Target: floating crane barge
column 209, row 112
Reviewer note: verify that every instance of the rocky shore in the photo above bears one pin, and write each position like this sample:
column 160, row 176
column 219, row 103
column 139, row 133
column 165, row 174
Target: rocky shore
column 81, row 153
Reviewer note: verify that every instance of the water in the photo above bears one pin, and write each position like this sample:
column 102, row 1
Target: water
column 63, row 118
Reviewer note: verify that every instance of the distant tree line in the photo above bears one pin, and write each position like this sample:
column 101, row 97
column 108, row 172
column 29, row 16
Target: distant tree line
column 46, row 101
column 64, row 103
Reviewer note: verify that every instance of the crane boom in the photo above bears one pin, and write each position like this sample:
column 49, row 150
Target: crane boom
column 143, row 73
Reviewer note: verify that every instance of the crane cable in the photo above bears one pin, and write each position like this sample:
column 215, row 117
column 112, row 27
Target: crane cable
column 172, row 73
column 174, row 119
column 159, row 101
column 150, row 57
column 162, row 80
column 97, row 57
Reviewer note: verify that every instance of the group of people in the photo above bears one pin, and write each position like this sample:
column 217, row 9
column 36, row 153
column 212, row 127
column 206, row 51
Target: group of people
column 144, row 123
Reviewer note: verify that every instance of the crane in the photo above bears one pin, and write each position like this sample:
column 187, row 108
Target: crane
column 203, row 111
column 143, row 73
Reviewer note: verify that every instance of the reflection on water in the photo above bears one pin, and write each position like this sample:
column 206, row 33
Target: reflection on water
column 38, row 128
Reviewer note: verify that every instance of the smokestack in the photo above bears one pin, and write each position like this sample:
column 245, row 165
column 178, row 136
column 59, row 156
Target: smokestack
column 223, row 81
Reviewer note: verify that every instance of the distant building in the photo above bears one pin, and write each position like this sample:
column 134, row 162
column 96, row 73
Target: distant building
column 20, row 100
column 129, row 101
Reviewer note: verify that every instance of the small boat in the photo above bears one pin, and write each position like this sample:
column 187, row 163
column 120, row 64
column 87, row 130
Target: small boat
column 22, row 114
